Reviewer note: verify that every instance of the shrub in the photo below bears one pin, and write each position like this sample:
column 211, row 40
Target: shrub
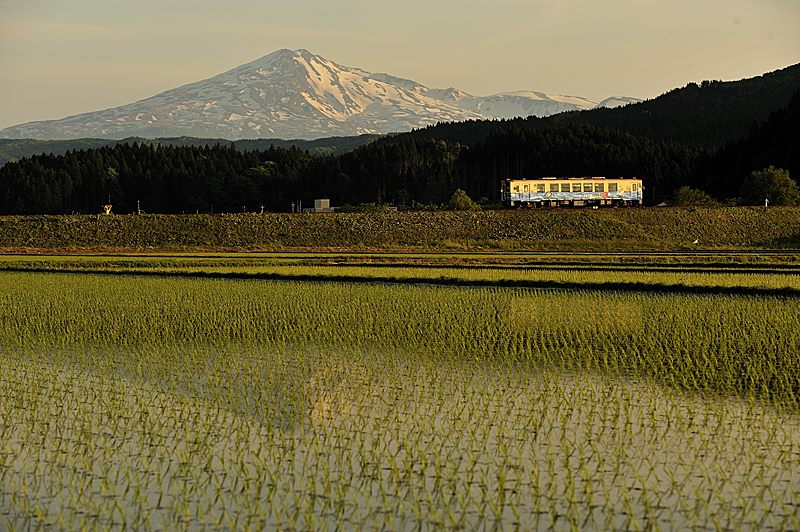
column 460, row 201
column 688, row 196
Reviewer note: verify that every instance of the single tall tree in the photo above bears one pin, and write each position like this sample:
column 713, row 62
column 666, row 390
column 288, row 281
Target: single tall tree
column 772, row 184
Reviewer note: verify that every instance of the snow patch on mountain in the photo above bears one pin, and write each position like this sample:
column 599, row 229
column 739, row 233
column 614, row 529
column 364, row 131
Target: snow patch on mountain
column 617, row 101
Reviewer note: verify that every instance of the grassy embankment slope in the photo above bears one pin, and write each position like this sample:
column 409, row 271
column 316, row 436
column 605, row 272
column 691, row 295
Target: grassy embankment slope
column 620, row 229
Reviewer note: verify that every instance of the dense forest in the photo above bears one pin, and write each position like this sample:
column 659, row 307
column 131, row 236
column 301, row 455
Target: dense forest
column 221, row 178
column 427, row 165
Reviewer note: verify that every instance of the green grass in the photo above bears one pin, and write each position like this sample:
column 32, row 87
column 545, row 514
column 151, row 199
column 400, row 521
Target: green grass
column 184, row 402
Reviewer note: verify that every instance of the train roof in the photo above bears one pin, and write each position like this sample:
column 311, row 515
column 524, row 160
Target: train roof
column 587, row 178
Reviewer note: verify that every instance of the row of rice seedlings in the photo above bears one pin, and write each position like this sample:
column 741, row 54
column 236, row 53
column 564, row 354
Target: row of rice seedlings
column 137, row 262
column 688, row 257
column 689, row 278
column 710, row 343
column 665, row 278
column 762, row 262
column 384, row 440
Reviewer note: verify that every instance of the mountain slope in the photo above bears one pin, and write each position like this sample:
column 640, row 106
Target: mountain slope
column 775, row 142
column 710, row 114
column 295, row 94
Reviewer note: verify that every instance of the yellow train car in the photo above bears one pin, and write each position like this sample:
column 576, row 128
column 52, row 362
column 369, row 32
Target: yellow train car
column 572, row 192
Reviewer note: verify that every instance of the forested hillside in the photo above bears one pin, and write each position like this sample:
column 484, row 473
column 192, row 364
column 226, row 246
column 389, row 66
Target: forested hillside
column 707, row 115
column 775, row 142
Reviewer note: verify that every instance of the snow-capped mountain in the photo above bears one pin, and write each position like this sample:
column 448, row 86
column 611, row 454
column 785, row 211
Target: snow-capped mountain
column 297, row 94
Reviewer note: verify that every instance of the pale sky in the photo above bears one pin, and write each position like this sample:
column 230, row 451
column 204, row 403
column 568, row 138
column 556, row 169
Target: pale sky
column 63, row 57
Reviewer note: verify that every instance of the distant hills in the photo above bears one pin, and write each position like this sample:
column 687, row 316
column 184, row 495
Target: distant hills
column 295, row 94
column 15, row 149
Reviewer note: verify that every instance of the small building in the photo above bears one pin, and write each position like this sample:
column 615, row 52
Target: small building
column 321, row 205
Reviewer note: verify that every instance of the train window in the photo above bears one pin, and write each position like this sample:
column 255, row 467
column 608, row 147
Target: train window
column 576, row 187
column 635, row 187
column 516, row 188
column 553, row 187
column 612, row 187
column 540, row 187
column 587, row 187
column 525, row 188
column 599, row 187
column 564, row 187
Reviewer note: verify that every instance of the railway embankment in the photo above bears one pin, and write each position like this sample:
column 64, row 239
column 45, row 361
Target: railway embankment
column 651, row 229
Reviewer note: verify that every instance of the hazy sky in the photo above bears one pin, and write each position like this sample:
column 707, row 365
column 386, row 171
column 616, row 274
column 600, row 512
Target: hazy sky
column 62, row 57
